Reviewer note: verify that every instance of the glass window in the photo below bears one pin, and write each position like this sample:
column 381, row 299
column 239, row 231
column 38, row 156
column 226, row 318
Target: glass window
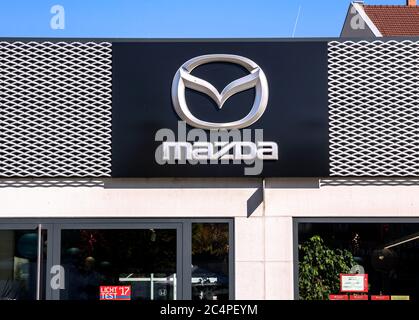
column 18, row 264
column 387, row 252
column 145, row 259
column 210, row 265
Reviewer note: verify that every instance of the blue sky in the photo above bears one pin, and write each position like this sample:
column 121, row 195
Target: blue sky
column 177, row 18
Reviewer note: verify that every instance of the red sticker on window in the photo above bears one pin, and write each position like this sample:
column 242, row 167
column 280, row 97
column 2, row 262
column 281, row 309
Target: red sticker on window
column 338, row 297
column 115, row 292
column 380, row 298
column 358, row 297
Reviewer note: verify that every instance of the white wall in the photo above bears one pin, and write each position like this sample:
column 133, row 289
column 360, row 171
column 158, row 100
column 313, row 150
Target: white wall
column 362, row 30
column 263, row 231
column 127, row 198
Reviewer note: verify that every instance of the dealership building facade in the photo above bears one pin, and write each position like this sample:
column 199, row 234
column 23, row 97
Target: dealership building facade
column 88, row 199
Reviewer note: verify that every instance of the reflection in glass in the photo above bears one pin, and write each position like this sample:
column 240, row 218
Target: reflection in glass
column 387, row 252
column 210, row 263
column 144, row 259
column 18, row 264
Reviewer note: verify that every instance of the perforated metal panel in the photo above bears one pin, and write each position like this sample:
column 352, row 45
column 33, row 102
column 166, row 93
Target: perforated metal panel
column 374, row 108
column 55, row 109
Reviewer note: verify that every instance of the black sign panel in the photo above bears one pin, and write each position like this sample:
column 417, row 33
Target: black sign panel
column 296, row 117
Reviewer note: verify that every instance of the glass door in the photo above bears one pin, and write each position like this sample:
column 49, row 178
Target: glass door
column 22, row 261
column 97, row 258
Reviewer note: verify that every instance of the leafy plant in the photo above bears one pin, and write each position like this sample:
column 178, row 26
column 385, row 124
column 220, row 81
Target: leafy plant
column 210, row 238
column 319, row 269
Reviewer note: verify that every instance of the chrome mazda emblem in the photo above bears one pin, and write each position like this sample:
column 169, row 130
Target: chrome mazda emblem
column 256, row 78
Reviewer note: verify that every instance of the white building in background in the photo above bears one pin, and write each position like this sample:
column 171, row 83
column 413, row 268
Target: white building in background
column 363, row 20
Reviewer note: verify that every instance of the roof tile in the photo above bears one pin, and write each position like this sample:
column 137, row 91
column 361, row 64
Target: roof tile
column 394, row 20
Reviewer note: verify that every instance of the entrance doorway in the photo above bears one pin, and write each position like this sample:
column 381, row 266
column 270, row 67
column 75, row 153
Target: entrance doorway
column 160, row 259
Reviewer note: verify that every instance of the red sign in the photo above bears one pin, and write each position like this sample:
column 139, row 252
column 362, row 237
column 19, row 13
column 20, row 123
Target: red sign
column 115, row 292
column 355, row 283
column 380, row 297
column 358, row 297
column 338, row 297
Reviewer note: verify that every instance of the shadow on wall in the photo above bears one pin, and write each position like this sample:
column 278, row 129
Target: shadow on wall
column 132, row 183
column 337, row 182
column 253, row 202
column 50, row 183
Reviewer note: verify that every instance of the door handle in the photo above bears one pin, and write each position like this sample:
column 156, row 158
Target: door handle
column 39, row 263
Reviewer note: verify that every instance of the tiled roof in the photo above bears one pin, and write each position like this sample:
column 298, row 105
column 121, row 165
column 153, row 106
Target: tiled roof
column 394, row 20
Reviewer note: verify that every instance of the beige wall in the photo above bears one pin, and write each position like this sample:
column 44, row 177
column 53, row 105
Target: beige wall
column 263, row 229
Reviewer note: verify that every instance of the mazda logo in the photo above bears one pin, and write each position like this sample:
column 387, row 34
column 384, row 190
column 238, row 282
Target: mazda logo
column 255, row 79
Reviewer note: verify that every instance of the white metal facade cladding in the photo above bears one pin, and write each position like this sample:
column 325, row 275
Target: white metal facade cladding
column 55, row 109
column 374, row 108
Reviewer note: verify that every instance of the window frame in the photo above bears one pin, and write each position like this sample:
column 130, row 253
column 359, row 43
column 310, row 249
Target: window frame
column 360, row 220
column 184, row 242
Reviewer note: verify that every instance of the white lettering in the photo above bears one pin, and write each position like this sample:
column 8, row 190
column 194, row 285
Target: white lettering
column 267, row 150
column 205, row 151
column 58, row 20
column 223, row 147
column 58, row 277
column 177, row 155
column 202, row 151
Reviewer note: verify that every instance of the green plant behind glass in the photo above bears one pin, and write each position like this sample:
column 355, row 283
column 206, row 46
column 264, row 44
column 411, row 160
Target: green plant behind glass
column 319, row 268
